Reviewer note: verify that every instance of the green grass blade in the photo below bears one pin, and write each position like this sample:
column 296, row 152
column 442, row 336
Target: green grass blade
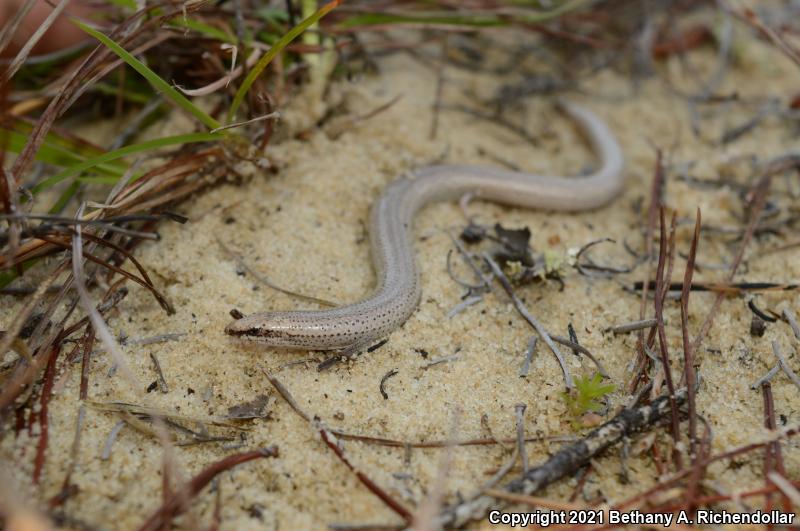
column 158, row 83
column 127, row 93
column 65, row 197
column 464, row 19
column 58, row 155
column 372, row 19
column 203, row 28
column 127, row 4
column 74, row 144
column 7, row 277
column 563, row 9
column 124, row 152
column 272, row 14
column 291, row 35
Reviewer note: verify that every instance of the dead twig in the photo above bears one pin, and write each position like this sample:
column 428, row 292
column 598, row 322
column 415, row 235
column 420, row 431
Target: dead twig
column 632, row 327
column 162, row 383
column 660, row 293
column 267, row 282
column 382, row 441
column 767, row 377
column 776, row 349
column 655, row 205
column 526, row 365
column 330, row 440
column 792, row 320
column 520, row 412
column 386, row 376
column 520, row 306
column 689, row 376
column 759, row 198
column 569, row 458
column 177, row 502
column 577, row 347
column 688, row 354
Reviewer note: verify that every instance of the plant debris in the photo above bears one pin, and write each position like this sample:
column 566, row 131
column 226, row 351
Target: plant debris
column 115, row 149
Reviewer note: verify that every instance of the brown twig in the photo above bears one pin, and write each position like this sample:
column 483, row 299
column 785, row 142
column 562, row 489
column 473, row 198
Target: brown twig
column 47, row 390
column 177, row 502
column 759, row 198
column 393, row 443
column 569, row 458
column 671, row 481
column 88, row 343
column 688, row 354
column 330, row 440
column 655, row 205
column 660, row 293
column 688, row 366
column 773, row 459
column 523, row 310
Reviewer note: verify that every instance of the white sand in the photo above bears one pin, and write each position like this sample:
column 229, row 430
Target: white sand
column 304, row 227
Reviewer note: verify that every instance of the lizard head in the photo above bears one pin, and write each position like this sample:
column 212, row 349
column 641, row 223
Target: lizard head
column 273, row 329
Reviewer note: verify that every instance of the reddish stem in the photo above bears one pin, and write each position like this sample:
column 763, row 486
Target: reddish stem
column 373, row 487
column 177, row 503
column 47, row 391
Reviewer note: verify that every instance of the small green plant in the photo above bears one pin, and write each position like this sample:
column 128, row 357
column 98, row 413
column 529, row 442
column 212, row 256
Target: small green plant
column 585, row 397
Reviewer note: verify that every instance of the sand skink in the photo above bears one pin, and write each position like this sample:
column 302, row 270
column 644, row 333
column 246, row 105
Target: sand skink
column 354, row 326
